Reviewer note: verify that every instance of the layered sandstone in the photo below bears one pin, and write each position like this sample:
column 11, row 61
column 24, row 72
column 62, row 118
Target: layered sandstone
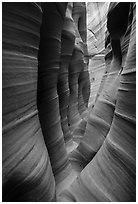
column 69, row 88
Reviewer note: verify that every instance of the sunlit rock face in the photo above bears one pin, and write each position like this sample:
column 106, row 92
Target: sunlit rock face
column 57, row 146
column 96, row 33
column 96, row 26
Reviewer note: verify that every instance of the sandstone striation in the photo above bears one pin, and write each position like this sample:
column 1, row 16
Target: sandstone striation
column 69, row 102
column 110, row 176
column 27, row 172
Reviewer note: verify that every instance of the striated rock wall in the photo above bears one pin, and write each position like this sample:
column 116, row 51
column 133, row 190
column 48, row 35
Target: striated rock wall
column 62, row 142
column 96, row 26
column 26, row 88
column 78, row 70
column 67, row 46
column 27, row 172
column 96, row 34
column 47, row 99
column 110, row 175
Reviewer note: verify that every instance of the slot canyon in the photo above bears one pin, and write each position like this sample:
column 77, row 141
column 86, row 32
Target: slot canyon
column 69, row 102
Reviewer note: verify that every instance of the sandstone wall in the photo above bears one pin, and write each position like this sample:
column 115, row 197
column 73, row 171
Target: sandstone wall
column 57, row 146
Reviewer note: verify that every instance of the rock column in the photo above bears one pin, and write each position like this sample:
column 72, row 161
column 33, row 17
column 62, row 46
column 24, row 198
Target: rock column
column 27, row 173
column 48, row 102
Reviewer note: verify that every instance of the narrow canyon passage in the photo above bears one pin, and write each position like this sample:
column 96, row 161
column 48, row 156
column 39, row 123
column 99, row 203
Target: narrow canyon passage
column 69, row 102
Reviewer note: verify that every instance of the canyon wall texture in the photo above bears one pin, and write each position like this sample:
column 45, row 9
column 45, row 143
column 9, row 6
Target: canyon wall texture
column 96, row 35
column 69, row 102
column 27, row 172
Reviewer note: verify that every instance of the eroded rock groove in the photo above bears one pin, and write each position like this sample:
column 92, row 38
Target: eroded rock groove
column 69, row 102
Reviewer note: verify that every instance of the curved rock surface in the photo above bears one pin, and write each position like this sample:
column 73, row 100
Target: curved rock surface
column 48, row 102
column 67, row 46
column 96, row 34
column 110, row 176
column 78, row 71
column 100, row 117
column 27, row 172
column 69, row 106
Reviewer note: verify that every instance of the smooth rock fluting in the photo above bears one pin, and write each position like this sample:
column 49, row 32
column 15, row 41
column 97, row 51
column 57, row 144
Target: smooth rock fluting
column 110, row 176
column 98, row 122
column 101, row 115
column 27, row 173
column 61, row 143
column 76, row 66
column 48, row 102
column 67, row 46
column 78, row 71
column 124, row 44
